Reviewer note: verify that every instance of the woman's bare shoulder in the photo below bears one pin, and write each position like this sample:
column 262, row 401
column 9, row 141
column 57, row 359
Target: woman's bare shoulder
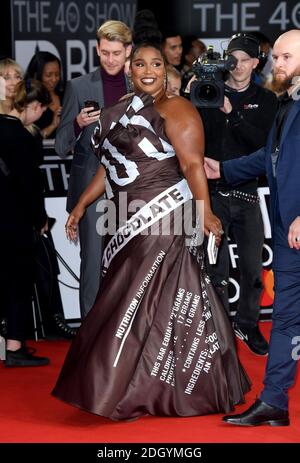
column 176, row 99
column 178, row 106
column 127, row 96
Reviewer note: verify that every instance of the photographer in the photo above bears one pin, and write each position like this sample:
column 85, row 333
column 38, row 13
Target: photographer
column 237, row 129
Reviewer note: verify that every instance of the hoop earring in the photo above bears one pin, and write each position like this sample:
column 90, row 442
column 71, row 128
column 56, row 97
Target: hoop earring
column 130, row 83
column 165, row 81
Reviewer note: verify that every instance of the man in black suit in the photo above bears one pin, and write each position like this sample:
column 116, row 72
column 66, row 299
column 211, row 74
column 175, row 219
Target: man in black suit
column 280, row 161
column 105, row 86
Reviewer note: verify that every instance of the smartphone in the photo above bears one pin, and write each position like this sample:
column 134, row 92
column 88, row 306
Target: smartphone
column 89, row 103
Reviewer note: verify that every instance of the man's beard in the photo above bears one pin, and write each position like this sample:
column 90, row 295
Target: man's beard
column 280, row 86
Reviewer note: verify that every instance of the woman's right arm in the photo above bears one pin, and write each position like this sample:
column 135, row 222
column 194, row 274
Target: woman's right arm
column 94, row 190
column 184, row 129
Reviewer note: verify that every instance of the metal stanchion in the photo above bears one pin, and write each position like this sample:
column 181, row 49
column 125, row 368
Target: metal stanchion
column 37, row 315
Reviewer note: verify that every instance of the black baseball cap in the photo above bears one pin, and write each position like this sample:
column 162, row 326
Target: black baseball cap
column 246, row 43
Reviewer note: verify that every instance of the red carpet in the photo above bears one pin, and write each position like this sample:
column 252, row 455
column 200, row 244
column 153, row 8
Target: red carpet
column 28, row 413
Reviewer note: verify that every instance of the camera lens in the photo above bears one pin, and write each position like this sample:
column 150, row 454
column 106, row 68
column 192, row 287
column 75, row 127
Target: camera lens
column 208, row 92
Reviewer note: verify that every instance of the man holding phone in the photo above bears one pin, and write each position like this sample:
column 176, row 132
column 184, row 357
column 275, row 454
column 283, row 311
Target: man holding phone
column 92, row 105
column 83, row 98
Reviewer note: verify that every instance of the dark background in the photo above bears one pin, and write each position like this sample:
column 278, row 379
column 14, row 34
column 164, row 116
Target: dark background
column 6, row 41
column 271, row 17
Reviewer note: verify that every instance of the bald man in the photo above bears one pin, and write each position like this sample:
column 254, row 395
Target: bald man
column 280, row 161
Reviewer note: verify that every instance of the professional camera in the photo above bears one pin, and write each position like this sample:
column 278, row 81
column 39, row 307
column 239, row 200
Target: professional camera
column 207, row 91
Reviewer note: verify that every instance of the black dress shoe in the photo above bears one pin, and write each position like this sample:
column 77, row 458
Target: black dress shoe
column 24, row 357
column 260, row 413
column 253, row 338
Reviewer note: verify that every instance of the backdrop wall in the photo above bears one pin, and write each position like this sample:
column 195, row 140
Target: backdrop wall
column 67, row 29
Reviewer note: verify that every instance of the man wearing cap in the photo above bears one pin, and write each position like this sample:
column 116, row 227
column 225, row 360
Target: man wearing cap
column 238, row 128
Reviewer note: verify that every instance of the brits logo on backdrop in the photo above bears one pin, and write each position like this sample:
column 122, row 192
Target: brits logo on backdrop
column 25, row 50
column 251, row 106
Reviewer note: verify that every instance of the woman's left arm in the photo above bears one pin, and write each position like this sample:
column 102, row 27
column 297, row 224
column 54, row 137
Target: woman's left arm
column 184, row 129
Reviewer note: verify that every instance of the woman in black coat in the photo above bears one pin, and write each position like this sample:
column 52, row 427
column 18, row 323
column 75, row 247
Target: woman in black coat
column 22, row 215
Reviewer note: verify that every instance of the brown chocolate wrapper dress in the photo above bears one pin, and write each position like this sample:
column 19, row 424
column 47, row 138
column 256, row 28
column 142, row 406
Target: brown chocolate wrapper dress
column 157, row 340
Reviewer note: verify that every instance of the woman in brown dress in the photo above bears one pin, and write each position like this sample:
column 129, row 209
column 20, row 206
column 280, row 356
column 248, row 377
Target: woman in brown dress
column 157, row 340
